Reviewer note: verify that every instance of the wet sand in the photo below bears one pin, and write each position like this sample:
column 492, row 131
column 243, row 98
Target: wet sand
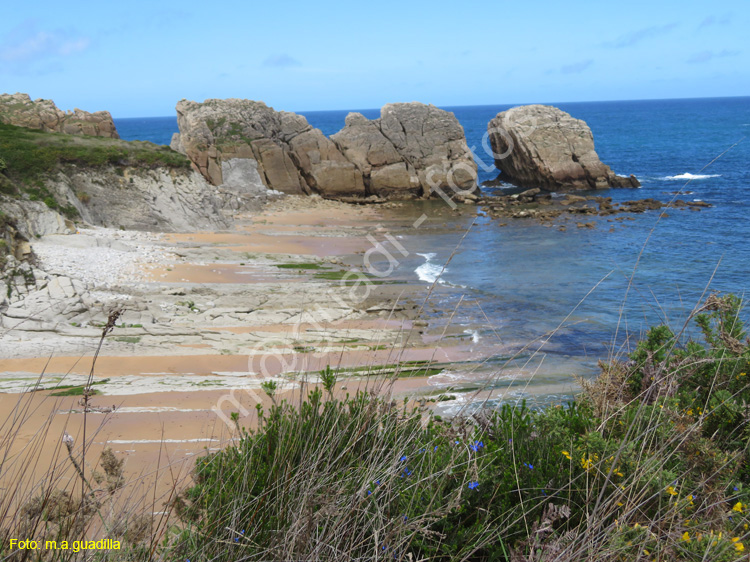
column 220, row 318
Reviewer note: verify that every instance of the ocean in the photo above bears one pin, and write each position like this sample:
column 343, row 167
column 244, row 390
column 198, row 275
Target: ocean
column 560, row 301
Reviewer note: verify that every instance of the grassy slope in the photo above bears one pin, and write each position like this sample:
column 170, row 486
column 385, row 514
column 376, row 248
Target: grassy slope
column 28, row 157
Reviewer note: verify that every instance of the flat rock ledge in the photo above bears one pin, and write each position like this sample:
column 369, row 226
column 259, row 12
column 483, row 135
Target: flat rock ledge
column 544, row 207
column 540, row 146
column 410, row 151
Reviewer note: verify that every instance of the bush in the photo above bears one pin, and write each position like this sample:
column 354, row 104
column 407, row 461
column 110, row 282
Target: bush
column 655, row 469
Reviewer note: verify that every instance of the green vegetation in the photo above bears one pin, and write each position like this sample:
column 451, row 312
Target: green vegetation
column 300, row 266
column 75, row 390
column 651, row 462
column 127, row 339
column 30, row 155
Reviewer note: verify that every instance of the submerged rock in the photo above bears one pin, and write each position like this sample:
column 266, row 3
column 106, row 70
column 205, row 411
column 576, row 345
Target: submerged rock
column 411, row 149
column 542, row 146
column 21, row 111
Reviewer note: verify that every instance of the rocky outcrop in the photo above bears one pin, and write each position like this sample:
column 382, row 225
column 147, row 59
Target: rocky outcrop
column 291, row 156
column 21, row 111
column 159, row 199
column 411, row 148
column 542, row 146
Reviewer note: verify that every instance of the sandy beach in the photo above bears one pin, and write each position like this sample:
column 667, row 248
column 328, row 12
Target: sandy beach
column 206, row 318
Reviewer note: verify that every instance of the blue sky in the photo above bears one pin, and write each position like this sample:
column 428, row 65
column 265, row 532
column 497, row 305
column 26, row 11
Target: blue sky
column 139, row 58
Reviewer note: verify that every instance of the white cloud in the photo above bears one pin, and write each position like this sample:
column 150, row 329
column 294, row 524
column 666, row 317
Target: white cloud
column 281, row 61
column 577, row 67
column 635, row 37
column 28, row 44
column 705, row 56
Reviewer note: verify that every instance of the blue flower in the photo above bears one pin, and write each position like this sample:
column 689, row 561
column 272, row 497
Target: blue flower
column 236, row 539
column 405, row 517
column 435, row 449
column 473, row 485
column 403, row 458
column 529, row 466
column 242, row 532
column 477, row 445
column 369, row 492
column 377, row 482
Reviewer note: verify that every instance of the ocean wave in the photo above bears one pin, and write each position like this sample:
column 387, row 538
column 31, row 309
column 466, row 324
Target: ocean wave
column 474, row 335
column 429, row 271
column 689, row 176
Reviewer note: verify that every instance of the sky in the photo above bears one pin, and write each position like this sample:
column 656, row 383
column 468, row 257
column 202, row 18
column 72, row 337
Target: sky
column 138, row 58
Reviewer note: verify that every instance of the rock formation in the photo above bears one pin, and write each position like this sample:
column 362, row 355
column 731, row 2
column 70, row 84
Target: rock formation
column 20, row 110
column 401, row 155
column 542, row 146
column 411, row 149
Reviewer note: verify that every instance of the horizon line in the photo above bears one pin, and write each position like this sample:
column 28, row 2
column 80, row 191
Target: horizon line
column 302, row 112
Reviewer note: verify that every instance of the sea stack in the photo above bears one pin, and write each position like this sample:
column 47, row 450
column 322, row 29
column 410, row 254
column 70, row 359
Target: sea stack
column 410, row 151
column 542, row 146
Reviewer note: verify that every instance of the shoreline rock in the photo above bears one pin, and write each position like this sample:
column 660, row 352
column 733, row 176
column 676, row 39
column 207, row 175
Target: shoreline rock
column 19, row 110
column 411, row 148
column 540, row 146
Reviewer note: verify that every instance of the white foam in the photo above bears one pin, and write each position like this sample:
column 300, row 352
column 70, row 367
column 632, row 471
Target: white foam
column 475, row 337
column 689, row 176
column 445, row 378
column 428, row 271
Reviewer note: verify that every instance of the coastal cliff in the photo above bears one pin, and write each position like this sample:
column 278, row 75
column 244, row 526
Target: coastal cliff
column 541, row 146
column 48, row 180
column 19, row 109
column 409, row 151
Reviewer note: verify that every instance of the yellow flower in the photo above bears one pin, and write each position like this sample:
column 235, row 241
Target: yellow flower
column 671, row 491
column 737, row 507
column 587, row 463
column 617, row 472
column 690, row 412
column 686, row 536
column 738, row 545
column 566, row 454
column 646, row 552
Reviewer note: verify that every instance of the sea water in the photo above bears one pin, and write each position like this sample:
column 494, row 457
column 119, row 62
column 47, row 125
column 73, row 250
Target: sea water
column 580, row 295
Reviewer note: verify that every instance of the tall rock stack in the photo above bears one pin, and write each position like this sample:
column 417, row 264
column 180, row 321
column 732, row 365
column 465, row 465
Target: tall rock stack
column 401, row 155
column 410, row 150
column 542, row 146
column 21, row 111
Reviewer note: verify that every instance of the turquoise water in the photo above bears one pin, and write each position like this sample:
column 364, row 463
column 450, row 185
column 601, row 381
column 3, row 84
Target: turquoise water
column 517, row 283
